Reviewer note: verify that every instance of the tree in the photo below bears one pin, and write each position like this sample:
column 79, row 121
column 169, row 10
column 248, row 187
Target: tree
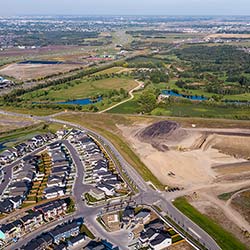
column 147, row 101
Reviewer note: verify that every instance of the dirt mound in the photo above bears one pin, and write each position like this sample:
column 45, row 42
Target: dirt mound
column 161, row 134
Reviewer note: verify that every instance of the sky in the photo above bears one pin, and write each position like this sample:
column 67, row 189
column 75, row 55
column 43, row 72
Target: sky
column 124, row 7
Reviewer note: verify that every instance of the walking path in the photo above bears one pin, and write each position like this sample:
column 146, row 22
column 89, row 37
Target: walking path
column 139, row 86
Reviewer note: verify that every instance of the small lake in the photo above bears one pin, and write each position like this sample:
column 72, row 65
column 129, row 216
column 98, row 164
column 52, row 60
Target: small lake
column 41, row 62
column 191, row 97
column 2, row 146
column 82, row 102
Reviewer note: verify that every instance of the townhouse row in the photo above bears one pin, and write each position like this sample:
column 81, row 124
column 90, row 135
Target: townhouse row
column 12, row 154
column 26, row 176
column 41, row 214
column 106, row 182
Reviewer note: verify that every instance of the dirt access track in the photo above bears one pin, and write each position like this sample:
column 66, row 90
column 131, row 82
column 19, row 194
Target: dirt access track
column 205, row 162
column 188, row 157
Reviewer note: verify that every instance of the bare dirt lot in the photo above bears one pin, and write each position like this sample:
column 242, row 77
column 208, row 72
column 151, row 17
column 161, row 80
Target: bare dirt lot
column 205, row 162
column 190, row 155
column 10, row 122
column 217, row 214
column 24, row 72
column 243, row 36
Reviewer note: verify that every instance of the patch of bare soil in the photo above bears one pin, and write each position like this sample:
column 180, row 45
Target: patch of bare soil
column 181, row 246
column 217, row 214
column 10, row 122
column 242, row 204
column 167, row 148
column 233, row 168
column 237, row 146
column 34, row 71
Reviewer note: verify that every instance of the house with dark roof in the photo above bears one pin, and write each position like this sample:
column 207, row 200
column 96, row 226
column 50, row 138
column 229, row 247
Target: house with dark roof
column 53, row 192
column 108, row 189
column 6, row 206
column 16, row 201
column 52, row 209
column 10, row 230
column 76, row 241
column 156, row 224
column 32, row 220
column 128, row 214
column 55, row 180
column 161, row 241
column 146, row 236
column 95, row 245
column 65, row 231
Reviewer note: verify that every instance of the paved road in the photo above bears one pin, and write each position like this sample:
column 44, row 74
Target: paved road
column 147, row 195
column 8, row 169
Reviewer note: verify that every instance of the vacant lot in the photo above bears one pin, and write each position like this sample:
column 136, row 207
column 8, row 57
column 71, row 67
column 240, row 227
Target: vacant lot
column 225, row 239
column 12, row 122
column 25, row 72
column 242, row 203
column 188, row 153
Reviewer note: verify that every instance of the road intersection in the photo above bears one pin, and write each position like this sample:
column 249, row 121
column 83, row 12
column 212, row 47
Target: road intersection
column 146, row 195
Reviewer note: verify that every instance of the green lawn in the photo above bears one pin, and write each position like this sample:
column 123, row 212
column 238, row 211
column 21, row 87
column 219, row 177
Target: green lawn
column 109, row 71
column 188, row 110
column 226, row 240
column 129, row 107
column 78, row 89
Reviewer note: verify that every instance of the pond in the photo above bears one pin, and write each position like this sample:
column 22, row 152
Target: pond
column 82, row 102
column 191, row 97
column 40, row 62
column 2, row 146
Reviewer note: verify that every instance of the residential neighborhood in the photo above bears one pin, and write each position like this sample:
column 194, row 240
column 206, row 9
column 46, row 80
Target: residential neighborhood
column 45, row 175
column 66, row 183
column 147, row 230
column 100, row 171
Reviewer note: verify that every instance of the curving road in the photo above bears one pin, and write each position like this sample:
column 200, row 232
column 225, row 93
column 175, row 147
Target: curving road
column 146, row 194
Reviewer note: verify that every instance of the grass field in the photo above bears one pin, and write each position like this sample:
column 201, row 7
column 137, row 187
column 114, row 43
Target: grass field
column 129, row 107
column 188, row 110
column 226, row 240
column 109, row 71
column 8, row 122
column 78, row 89
column 203, row 110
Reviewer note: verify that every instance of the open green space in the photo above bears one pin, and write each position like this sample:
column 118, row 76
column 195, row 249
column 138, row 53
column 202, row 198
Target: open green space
column 224, row 239
column 188, row 109
column 77, row 89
